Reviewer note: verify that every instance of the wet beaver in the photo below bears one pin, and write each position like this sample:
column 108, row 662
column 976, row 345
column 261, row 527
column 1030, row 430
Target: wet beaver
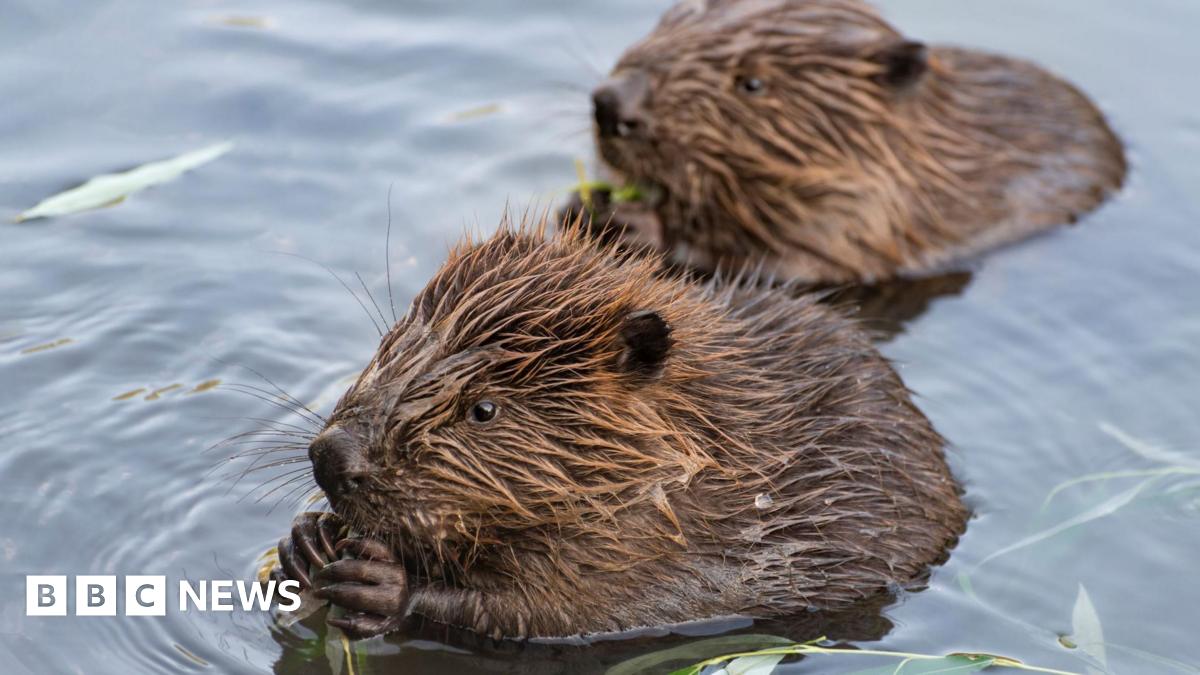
column 557, row 439
column 811, row 134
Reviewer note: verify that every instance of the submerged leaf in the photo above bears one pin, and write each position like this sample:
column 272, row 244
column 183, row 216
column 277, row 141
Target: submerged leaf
column 1088, row 634
column 1105, row 508
column 112, row 188
column 696, row 651
column 1150, row 452
column 753, row 665
column 476, row 112
column 157, row 393
column 48, row 346
column 205, row 386
column 335, row 653
column 954, row 663
column 244, row 21
column 908, row 663
column 187, row 653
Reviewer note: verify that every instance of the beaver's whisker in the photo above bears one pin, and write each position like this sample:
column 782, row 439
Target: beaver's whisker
column 581, row 57
column 569, row 135
column 260, row 436
column 264, row 450
column 288, row 495
column 292, row 478
column 303, row 471
column 283, row 404
column 387, row 253
column 258, row 454
column 300, row 497
column 266, row 423
column 286, row 396
column 371, row 297
column 565, row 86
column 283, row 429
column 286, row 478
column 277, row 463
column 279, row 404
column 266, row 440
column 346, row 286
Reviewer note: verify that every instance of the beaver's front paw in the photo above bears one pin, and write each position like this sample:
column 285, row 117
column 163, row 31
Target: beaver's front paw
column 371, row 586
column 309, row 545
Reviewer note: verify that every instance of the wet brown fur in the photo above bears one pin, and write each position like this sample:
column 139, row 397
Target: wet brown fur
column 604, row 496
column 832, row 173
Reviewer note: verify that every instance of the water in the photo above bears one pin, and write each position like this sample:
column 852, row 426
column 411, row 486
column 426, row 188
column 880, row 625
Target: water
column 1056, row 351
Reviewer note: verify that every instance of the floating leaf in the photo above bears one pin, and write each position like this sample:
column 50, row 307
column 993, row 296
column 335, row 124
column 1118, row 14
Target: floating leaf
column 47, row 346
column 205, row 386
column 1087, row 633
column 157, row 393
column 244, row 21
column 190, row 656
column 129, row 394
column 476, row 112
column 109, row 189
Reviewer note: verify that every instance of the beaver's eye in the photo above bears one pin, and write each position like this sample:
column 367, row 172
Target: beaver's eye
column 750, row 85
column 483, row 412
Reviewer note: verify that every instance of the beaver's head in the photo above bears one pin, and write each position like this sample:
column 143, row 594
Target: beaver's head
column 728, row 90
column 514, row 397
column 812, row 133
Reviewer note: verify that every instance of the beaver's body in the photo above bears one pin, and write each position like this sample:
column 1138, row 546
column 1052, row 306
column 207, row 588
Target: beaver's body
column 557, row 440
column 812, row 135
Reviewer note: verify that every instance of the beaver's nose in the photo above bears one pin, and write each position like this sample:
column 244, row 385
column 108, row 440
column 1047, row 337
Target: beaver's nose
column 619, row 104
column 339, row 464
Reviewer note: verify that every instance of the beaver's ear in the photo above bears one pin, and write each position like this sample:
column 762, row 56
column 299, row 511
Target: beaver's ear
column 645, row 343
column 903, row 62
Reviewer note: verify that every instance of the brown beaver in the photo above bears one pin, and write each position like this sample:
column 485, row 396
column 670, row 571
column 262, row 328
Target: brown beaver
column 814, row 136
column 557, row 440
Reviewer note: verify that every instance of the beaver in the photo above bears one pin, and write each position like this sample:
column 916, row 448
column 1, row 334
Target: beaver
column 812, row 135
column 557, row 439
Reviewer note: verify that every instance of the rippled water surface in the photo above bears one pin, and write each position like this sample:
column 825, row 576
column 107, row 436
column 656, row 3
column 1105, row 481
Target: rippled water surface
column 1074, row 355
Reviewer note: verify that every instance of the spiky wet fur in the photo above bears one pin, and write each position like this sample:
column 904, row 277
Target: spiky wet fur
column 603, row 498
column 831, row 173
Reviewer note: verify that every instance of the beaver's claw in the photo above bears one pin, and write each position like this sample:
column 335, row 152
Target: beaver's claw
column 371, row 586
column 310, row 545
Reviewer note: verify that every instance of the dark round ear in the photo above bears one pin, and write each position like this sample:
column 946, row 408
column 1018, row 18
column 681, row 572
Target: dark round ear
column 903, row 63
column 646, row 342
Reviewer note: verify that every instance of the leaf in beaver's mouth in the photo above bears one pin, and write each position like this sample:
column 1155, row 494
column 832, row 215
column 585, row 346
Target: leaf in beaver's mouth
column 112, row 188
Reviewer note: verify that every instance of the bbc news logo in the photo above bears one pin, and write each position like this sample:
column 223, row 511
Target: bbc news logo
column 146, row 595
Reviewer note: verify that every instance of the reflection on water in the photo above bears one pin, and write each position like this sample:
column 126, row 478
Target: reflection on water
column 1063, row 373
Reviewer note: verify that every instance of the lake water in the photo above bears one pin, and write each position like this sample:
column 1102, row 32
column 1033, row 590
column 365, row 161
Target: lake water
column 1075, row 355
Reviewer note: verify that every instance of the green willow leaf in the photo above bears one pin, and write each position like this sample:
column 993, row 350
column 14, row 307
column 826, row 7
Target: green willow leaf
column 112, row 188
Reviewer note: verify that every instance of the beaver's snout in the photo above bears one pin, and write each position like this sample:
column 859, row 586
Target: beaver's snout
column 619, row 104
column 339, row 464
